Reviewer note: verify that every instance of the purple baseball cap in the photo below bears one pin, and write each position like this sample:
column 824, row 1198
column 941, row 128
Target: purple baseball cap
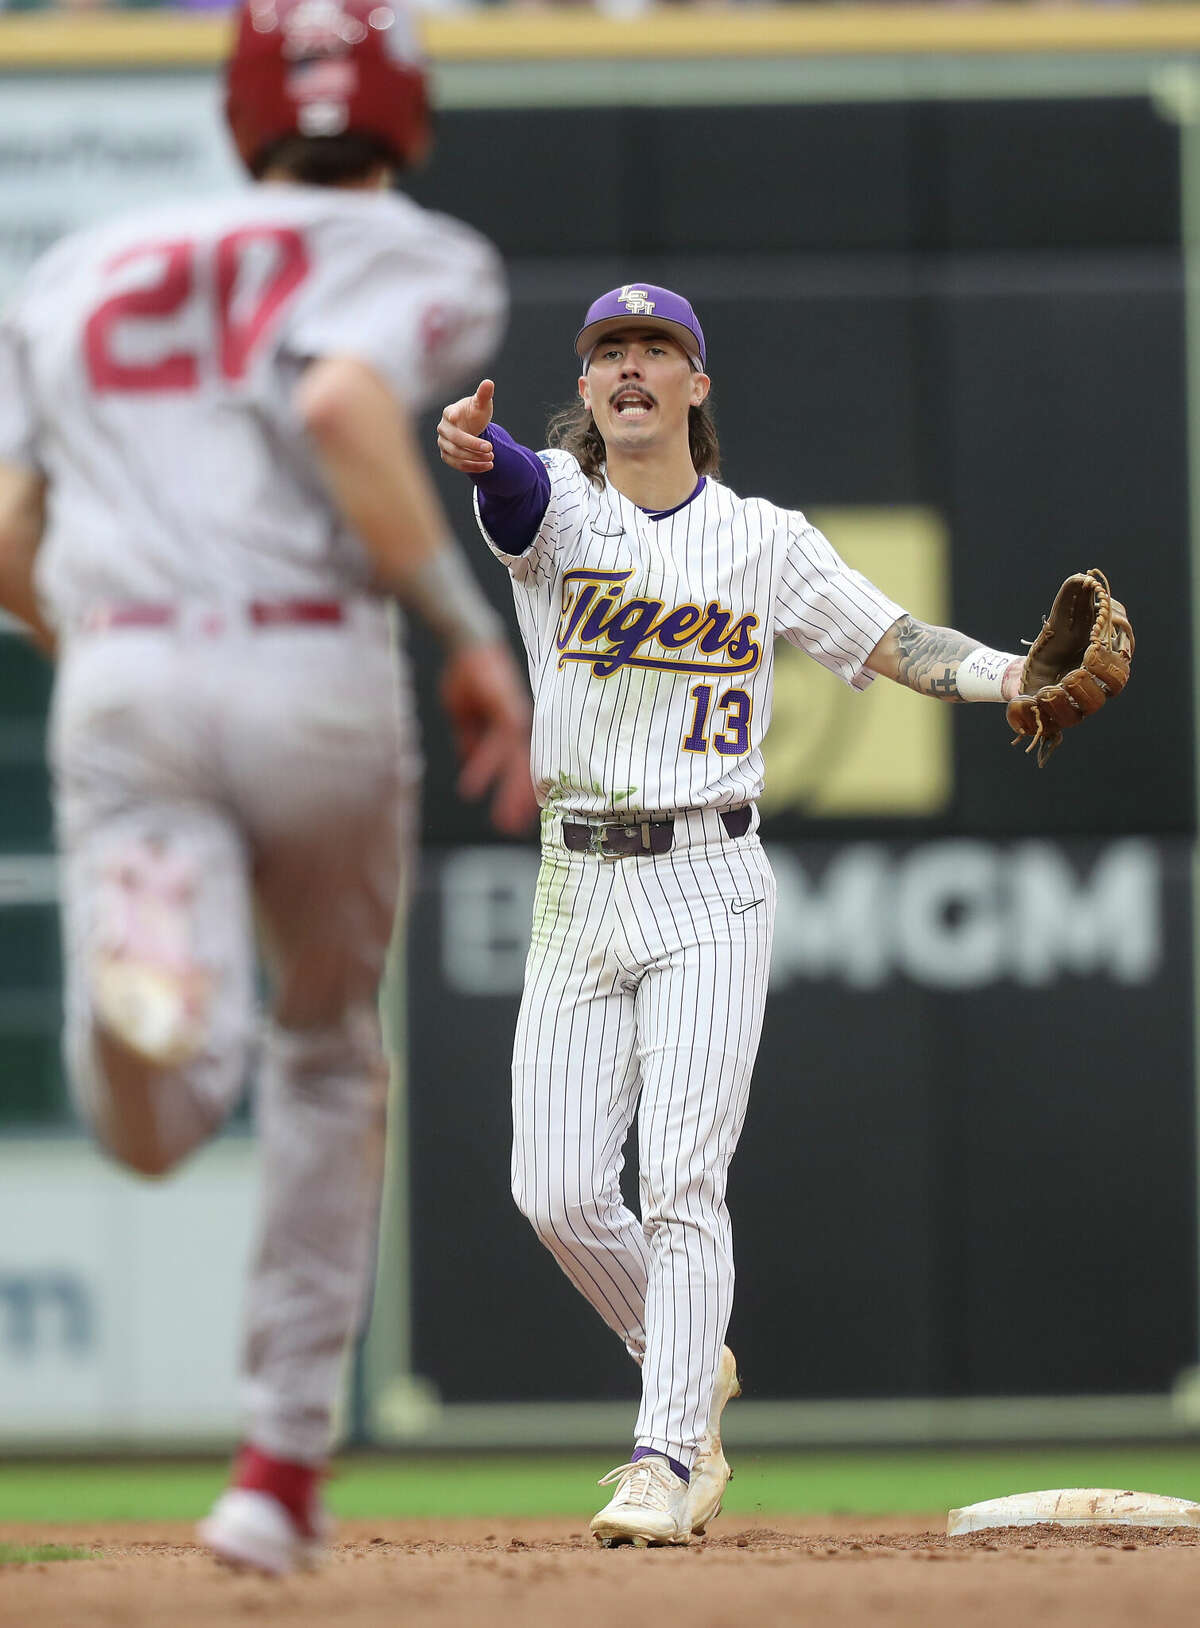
column 660, row 308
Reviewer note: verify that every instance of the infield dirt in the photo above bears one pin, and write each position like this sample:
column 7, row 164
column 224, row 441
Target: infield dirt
column 834, row 1572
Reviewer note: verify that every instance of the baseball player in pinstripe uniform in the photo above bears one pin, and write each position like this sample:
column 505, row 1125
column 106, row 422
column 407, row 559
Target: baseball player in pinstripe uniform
column 210, row 493
column 649, row 597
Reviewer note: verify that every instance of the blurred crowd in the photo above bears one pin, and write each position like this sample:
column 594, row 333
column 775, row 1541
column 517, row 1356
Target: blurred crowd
column 618, row 6
column 435, row 5
column 115, row 5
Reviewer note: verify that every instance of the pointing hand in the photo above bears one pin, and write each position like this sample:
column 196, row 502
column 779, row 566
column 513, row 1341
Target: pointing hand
column 460, row 428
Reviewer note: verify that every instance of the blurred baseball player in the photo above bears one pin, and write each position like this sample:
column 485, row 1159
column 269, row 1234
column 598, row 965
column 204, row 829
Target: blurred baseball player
column 649, row 597
column 210, row 470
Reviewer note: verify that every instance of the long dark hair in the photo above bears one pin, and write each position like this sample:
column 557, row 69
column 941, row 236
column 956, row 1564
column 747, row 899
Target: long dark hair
column 574, row 430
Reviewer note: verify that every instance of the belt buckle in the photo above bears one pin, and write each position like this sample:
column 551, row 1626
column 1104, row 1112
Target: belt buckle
column 599, row 842
column 599, row 839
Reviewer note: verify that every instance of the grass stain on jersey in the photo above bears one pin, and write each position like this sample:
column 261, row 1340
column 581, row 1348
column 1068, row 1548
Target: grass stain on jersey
column 558, row 788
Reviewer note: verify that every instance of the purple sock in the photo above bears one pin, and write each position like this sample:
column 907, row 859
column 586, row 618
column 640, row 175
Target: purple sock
column 684, row 1474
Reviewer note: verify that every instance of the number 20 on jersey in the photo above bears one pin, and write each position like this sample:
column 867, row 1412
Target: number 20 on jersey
column 166, row 284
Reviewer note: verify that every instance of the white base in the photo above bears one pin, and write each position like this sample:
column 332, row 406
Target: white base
column 1074, row 1506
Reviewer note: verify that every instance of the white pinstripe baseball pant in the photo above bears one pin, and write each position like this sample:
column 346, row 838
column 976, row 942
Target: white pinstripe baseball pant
column 646, row 977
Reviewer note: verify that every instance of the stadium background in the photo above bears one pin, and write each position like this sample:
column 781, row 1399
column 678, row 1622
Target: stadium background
column 943, row 262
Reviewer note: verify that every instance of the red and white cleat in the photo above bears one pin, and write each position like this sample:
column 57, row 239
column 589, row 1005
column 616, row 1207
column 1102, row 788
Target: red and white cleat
column 273, row 1529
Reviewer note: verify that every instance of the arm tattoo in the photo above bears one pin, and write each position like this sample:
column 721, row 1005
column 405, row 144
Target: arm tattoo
column 929, row 657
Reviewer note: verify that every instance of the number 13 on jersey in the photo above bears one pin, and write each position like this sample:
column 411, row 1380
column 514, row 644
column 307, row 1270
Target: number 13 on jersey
column 733, row 738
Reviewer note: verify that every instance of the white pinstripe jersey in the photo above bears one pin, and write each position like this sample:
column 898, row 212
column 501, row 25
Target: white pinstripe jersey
column 650, row 642
column 147, row 368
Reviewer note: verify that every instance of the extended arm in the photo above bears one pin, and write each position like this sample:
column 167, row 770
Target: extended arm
column 364, row 443
column 514, row 488
column 940, row 662
column 22, row 515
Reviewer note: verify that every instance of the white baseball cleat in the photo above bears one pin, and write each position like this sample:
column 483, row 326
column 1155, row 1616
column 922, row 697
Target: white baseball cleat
column 253, row 1529
column 710, row 1469
column 650, row 1506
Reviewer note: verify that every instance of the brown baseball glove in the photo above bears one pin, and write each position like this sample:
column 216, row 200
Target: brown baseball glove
column 1077, row 661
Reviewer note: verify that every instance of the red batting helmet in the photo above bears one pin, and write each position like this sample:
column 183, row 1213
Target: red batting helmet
column 324, row 67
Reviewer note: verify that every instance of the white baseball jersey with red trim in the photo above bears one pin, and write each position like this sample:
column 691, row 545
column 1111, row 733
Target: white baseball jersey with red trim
column 147, row 368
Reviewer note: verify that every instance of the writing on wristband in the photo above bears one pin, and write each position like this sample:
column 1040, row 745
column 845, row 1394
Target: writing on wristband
column 980, row 675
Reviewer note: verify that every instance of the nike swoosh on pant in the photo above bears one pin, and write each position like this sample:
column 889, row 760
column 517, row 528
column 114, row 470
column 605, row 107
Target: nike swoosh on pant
column 740, row 906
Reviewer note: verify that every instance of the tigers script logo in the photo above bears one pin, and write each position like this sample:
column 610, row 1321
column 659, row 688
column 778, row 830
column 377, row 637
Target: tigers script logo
column 598, row 628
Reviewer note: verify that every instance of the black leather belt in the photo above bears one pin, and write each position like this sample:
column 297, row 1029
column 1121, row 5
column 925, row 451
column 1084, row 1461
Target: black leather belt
column 643, row 837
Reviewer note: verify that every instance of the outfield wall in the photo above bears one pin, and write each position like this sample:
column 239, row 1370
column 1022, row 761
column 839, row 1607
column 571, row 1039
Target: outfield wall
column 119, row 1300
column 953, row 1174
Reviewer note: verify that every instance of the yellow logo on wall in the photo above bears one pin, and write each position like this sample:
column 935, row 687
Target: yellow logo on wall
column 832, row 752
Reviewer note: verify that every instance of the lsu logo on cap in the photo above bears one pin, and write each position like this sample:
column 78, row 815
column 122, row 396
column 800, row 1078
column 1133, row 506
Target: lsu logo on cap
column 635, row 300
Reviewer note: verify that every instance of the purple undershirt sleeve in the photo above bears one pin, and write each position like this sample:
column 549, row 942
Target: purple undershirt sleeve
column 514, row 494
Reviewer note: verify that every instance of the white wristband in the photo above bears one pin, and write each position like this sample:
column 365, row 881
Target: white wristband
column 446, row 594
column 980, row 675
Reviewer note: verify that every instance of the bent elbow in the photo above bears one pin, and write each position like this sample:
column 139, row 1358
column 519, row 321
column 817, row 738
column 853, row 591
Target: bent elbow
column 325, row 402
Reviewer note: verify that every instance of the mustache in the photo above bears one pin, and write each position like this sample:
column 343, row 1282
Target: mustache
column 633, row 390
